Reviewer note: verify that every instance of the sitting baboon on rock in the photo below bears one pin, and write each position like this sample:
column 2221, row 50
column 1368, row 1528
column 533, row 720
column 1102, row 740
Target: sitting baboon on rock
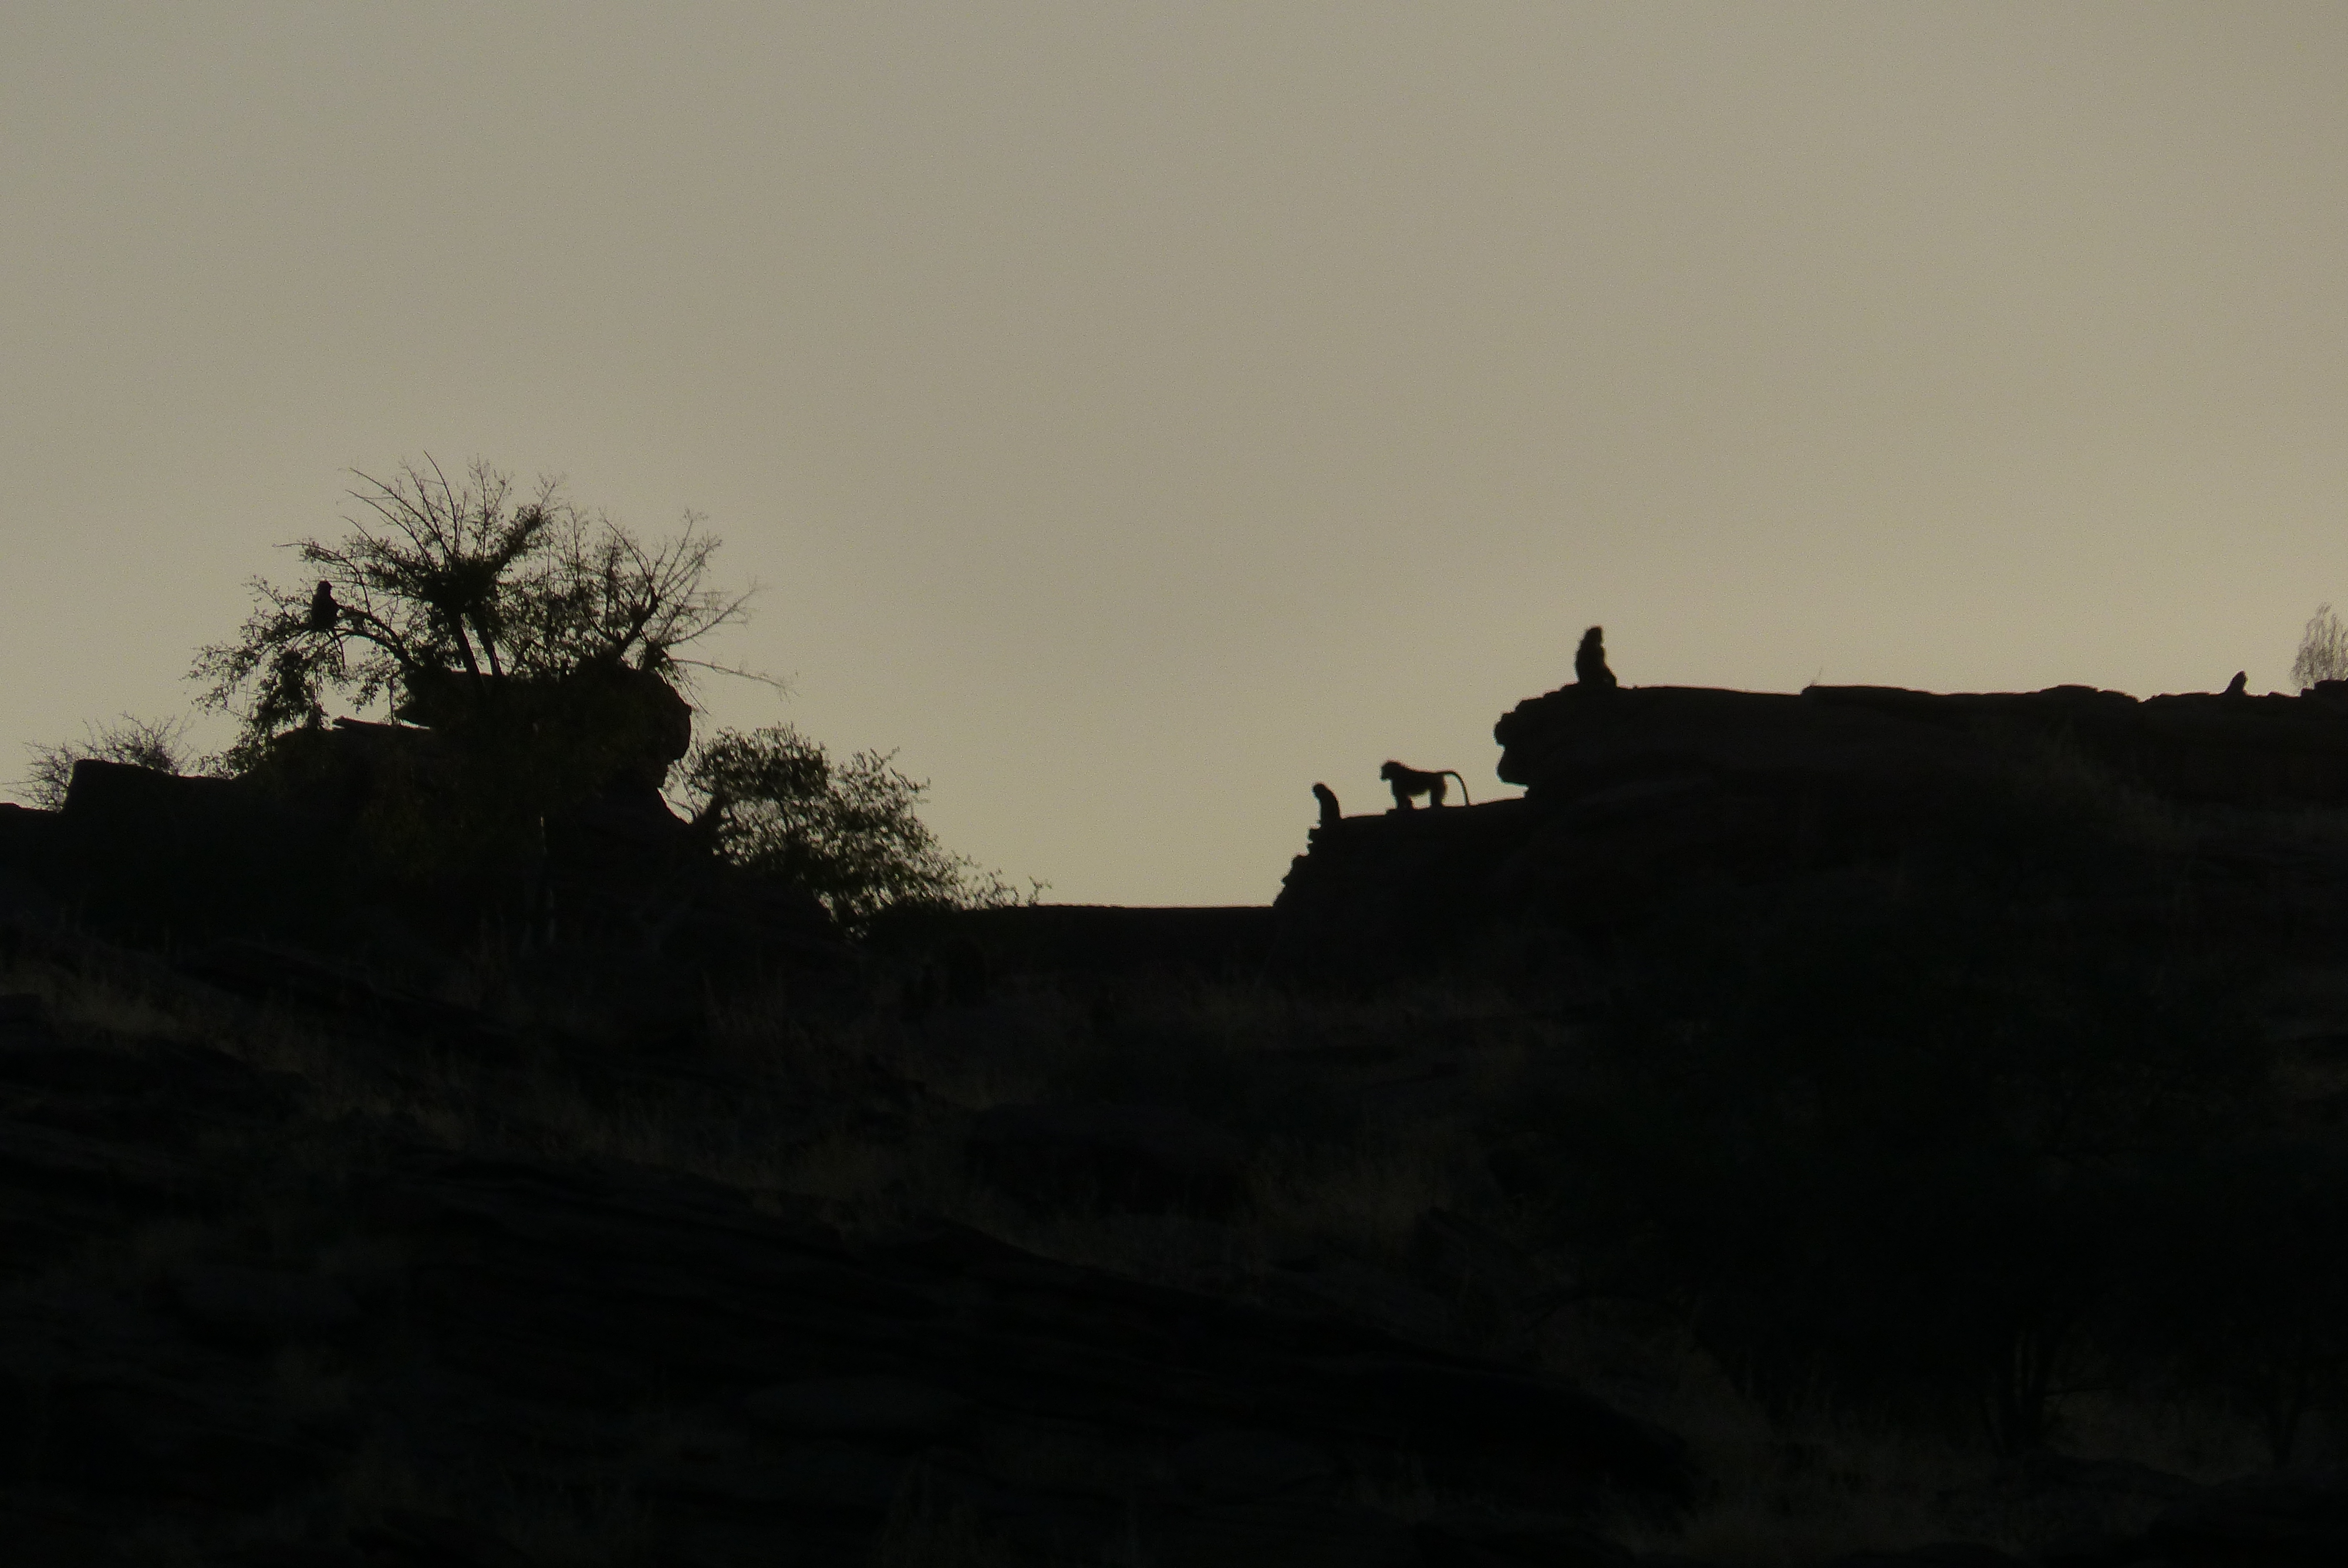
column 1590, row 670
column 1330, row 815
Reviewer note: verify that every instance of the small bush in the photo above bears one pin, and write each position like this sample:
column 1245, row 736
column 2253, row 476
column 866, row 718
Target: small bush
column 2322, row 650
column 775, row 803
column 158, row 743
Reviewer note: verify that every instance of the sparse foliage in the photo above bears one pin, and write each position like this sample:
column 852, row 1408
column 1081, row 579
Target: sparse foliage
column 470, row 577
column 2322, row 650
column 158, row 743
column 546, row 643
column 773, row 802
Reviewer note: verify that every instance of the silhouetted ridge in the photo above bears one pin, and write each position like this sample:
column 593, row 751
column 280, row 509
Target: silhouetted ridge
column 1635, row 795
column 2271, row 750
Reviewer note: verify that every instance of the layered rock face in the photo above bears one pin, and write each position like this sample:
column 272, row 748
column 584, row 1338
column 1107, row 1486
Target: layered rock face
column 638, row 720
column 2257, row 752
column 1633, row 795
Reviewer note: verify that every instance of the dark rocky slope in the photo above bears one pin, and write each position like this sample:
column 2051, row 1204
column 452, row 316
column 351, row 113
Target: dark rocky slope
column 235, row 1329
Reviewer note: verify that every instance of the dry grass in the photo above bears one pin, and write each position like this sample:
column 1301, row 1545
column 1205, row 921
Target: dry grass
column 1365, row 1198
column 863, row 1112
column 928, row 1527
column 2053, row 777
column 1798, row 1489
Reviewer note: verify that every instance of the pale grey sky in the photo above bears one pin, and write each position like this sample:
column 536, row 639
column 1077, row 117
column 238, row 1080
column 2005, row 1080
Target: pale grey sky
column 1137, row 413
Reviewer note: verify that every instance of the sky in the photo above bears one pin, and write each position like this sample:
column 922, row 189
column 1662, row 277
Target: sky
column 1133, row 413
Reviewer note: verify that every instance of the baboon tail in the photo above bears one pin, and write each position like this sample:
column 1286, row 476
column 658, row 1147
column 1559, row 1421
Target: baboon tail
column 1465, row 798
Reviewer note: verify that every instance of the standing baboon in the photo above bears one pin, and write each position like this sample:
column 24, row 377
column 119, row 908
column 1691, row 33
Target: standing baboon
column 1590, row 661
column 1330, row 815
column 1409, row 782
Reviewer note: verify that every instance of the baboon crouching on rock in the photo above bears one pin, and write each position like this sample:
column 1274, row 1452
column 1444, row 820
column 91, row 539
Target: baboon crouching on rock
column 1409, row 782
column 1590, row 661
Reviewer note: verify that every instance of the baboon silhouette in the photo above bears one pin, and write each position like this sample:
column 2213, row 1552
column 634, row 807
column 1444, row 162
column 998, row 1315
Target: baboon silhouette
column 324, row 611
column 1330, row 815
column 1590, row 661
column 1409, row 782
column 2239, row 686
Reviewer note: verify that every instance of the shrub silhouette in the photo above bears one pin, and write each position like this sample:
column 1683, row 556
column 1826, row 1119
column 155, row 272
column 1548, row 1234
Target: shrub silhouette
column 774, row 802
column 157, row 743
column 546, row 647
column 458, row 595
column 2322, row 650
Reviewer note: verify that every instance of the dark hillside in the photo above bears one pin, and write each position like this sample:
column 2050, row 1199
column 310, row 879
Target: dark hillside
column 1800, row 1126
column 1207, row 941
column 250, row 1305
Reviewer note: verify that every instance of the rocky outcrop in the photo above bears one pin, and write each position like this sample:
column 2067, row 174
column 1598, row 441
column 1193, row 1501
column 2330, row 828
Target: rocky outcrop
column 359, row 835
column 2262, row 751
column 634, row 721
column 1371, row 892
column 1635, row 796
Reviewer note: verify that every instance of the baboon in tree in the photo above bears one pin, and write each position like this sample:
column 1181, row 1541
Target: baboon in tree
column 1409, row 782
column 1330, row 815
column 1590, row 661
column 324, row 611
